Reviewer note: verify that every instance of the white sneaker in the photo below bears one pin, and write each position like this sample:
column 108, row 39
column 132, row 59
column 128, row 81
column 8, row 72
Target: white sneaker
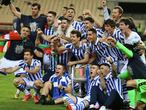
column 16, row 96
column 102, row 108
column 92, row 106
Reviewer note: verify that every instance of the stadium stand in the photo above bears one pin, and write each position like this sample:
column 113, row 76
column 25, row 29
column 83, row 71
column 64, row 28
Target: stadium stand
column 46, row 5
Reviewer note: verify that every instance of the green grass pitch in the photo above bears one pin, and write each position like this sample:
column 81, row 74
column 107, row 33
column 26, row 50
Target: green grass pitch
column 7, row 101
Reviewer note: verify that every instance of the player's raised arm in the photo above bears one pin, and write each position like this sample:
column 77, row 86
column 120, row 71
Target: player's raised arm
column 14, row 11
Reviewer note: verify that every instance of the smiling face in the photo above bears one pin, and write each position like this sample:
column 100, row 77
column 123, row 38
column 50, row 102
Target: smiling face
column 88, row 24
column 50, row 19
column 25, row 32
column 91, row 36
column 116, row 15
column 59, row 70
column 74, row 39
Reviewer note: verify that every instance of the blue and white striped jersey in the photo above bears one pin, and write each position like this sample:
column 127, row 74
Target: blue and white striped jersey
column 97, row 49
column 78, row 52
column 64, row 80
column 49, row 31
column 34, row 63
column 54, row 58
column 115, row 53
column 93, row 82
column 113, row 83
column 77, row 25
column 63, row 58
column 99, row 32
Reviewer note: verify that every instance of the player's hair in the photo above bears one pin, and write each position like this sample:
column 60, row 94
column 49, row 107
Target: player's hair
column 28, row 50
column 95, row 63
column 71, row 9
column 90, row 19
column 64, row 68
column 92, row 30
column 53, row 13
column 126, row 21
column 26, row 26
column 110, row 22
column 105, row 64
column 120, row 9
column 36, row 4
column 76, row 32
column 65, row 7
column 80, row 17
column 68, row 21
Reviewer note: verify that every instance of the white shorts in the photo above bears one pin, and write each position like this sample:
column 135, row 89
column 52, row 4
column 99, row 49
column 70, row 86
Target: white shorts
column 5, row 63
column 78, row 99
column 29, row 84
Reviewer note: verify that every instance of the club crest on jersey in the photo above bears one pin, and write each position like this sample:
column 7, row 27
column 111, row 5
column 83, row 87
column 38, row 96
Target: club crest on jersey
column 19, row 49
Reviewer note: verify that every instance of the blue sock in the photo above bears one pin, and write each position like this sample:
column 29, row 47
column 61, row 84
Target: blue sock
column 21, row 87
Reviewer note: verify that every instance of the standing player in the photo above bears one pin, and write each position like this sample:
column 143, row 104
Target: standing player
column 117, row 12
column 34, row 20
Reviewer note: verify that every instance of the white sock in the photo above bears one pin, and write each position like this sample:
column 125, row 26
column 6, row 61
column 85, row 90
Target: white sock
column 26, row 92
column 17, row 91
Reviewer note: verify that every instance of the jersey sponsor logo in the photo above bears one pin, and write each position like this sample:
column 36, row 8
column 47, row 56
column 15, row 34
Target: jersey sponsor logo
column 33, row 26
column 19, row 49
